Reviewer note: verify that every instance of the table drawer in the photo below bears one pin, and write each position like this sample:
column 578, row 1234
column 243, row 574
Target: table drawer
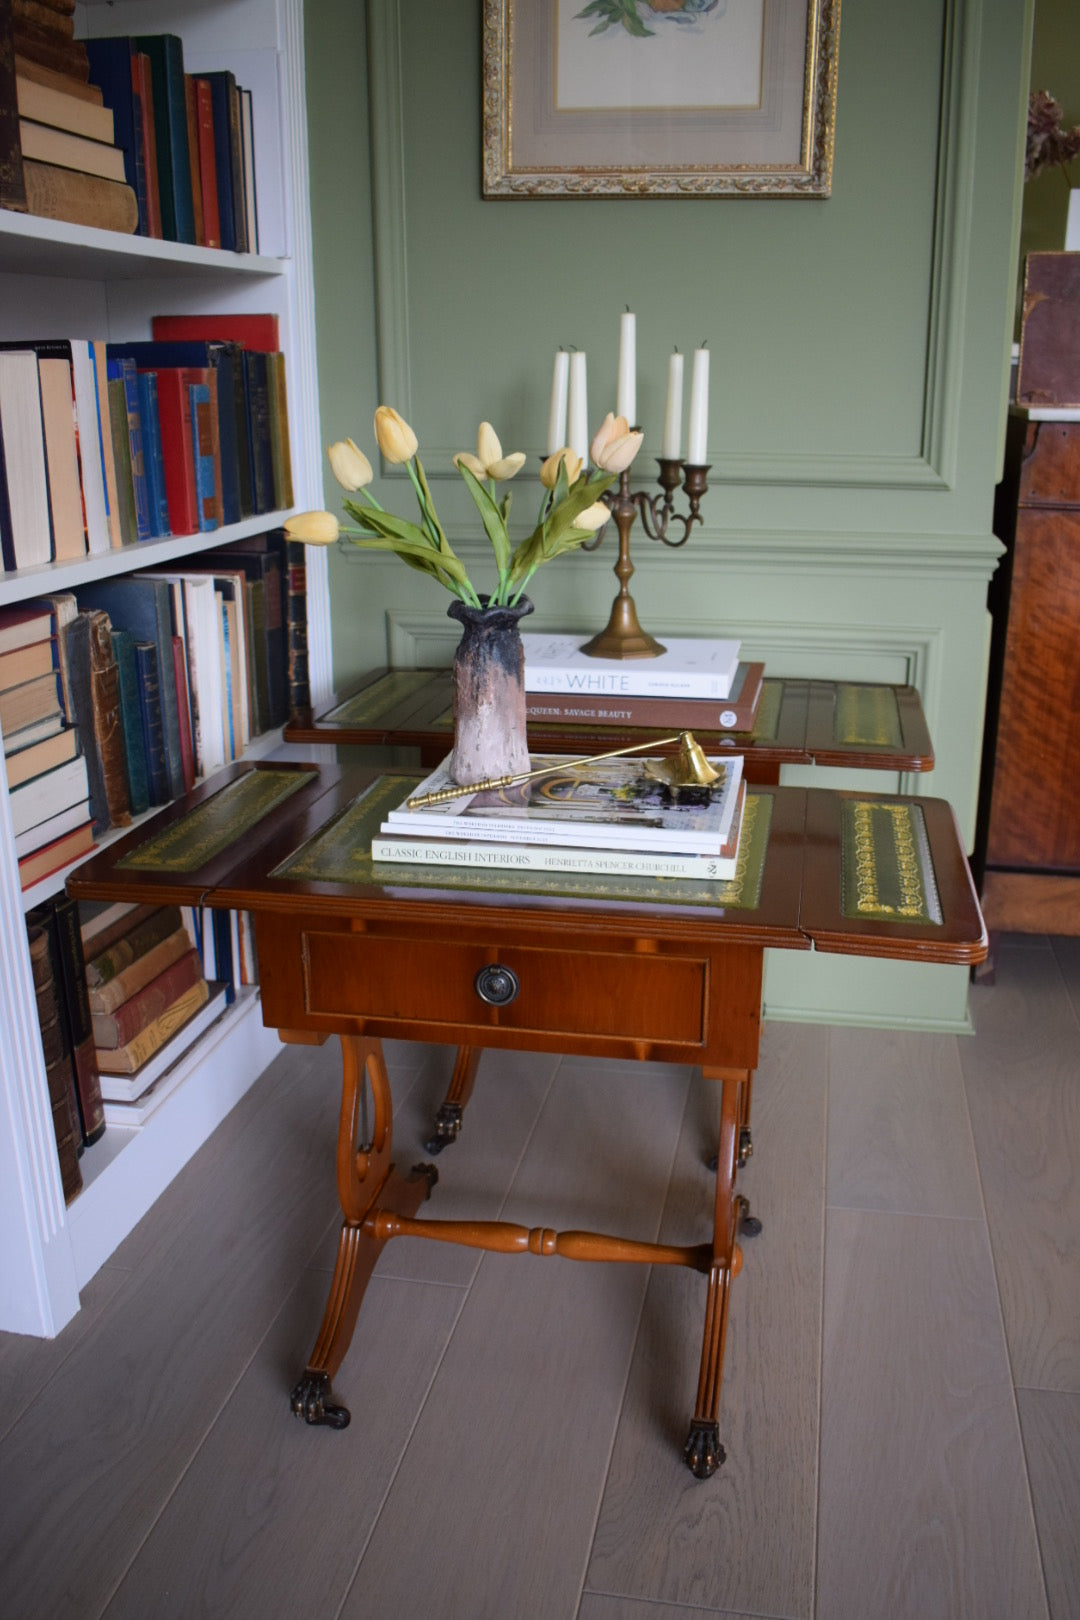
column 624, row 993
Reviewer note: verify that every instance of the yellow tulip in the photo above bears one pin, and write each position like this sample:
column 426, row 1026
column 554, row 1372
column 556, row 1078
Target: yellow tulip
column 489, row 461
column 549, row 472
column 313, row 528
column 614, row 446
column 349, row 465
column 397, row 441
column 594, row 517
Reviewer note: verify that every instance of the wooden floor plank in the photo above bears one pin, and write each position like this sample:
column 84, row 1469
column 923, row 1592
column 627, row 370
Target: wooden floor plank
column 595, row 1606
column 1050, row 1424
column 516, row 1433
column 899, row 1135
column 744, row 1540
column 924, row 1508
column 27, row 1364
column 1021, row 1079
column 89, row 1469
column 272, row 1517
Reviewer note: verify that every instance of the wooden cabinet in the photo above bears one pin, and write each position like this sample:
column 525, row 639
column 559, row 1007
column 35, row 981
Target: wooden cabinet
column 59, row 280
column 1030, row 802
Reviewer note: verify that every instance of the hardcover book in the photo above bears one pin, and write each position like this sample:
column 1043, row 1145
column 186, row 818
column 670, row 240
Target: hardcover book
column 59, row 1074
column 23, row 623
column 689, row 667
column 202, row 442
column 127, row 1059
column 700, row 715
column 153, row 453
column 47, row 796
column 166, row 53
column 106, row 998
column 142, row 79
column 53, row 857
column 35, row 700
column 228, row 156
column 111, row 68
column 528, row 857
column 153, row 733
column 58, row 918
column 96, row 697
column 27, row 536
column 131, row 1098
column 142, row 605
column 123, row 644
column 121, row 1025
column 606, row 804
column 53, row 192
column 45, row 144
column 46, row 104
column 51, row 828
column 26, row 663
column 121, row 369
column 44, row 755
column 120, row 441
column 62, row 457
column 148, row 931
column 12, row 183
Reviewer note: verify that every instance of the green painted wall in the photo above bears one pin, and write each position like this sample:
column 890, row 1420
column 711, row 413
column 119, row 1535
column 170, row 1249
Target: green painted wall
column 859, row 347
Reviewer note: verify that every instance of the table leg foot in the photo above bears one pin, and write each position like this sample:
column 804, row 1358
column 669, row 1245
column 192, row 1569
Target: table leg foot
column 447, row 1127
column 703, row 1453
column 311, row 1401
column 748, row 1225
column 448, row 1120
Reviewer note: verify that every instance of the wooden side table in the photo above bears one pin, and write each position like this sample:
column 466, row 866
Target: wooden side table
column 862, row 724
column 634, row 968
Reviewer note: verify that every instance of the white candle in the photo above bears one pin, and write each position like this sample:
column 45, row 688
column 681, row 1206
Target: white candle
column 557, row 415
column 671, row 448
column 578, row 431
column 697, row 449
column 626, row 395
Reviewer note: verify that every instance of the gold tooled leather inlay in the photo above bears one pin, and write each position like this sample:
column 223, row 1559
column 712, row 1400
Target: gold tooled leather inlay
column 887, row 873
column 867, row 717
column 220, row 821
column 376, row 700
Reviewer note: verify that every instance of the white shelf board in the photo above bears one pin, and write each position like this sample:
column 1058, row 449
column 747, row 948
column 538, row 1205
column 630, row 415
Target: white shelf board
column 30, row 245
column 45, row 580
column 128, row 1169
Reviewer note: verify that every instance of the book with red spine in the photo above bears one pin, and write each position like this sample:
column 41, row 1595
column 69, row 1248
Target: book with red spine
column 118, row 1028
column 252, row 331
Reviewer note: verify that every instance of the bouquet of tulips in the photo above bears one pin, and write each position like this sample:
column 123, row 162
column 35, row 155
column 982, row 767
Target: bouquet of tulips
column 571, row 510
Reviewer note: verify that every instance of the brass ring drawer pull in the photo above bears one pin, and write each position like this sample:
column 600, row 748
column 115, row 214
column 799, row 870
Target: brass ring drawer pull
column 497, row 985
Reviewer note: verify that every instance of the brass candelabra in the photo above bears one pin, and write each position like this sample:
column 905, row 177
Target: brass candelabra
column 623, row 636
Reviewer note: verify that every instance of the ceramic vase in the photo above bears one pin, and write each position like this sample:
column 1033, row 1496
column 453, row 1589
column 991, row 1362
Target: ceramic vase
column 489, row 692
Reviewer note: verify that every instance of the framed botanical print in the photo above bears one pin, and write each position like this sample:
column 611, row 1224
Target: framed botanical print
column 659, row 98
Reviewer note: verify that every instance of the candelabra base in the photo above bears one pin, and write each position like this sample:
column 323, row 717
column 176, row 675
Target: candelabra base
column 622, row 636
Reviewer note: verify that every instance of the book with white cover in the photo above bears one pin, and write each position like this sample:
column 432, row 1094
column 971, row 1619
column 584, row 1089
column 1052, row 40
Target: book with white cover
column 689, row 667
column 519, row 857
column 596, row 804
column 46, row 795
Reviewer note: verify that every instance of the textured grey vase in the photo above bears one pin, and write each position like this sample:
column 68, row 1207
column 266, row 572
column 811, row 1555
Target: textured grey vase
column 489, row 693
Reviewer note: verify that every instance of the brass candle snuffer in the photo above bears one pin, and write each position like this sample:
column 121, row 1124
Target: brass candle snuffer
column 623, row 636
column 688, row 770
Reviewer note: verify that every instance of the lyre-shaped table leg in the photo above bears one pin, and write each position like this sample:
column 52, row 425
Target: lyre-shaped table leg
column 448, row 1119
column 703, row 1451
column 364, row 1175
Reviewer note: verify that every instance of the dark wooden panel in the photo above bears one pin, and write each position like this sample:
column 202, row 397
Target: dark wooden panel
column 1034, row 819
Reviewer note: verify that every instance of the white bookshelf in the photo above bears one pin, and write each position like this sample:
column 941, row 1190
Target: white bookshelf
column 59, row 280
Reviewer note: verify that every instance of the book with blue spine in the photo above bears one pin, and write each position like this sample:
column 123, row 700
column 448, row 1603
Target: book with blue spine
column 205, row 482
column 152, row 453
column 143, row 606
column 111, row 71
column 149, row 695
column 123, row 645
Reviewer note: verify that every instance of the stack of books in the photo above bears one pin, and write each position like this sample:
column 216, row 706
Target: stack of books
column 610, row 817
column 59, row 137
column 48, row 785
column 114, row 133
column 109, row 444
column 187, row 140
column 697, row 685
column 149, row 1000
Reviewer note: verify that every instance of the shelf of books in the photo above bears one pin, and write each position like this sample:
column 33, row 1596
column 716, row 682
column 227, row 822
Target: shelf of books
column 158, row 421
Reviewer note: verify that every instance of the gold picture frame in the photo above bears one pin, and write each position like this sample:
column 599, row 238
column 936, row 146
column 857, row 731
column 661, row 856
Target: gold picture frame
column 659, row 98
